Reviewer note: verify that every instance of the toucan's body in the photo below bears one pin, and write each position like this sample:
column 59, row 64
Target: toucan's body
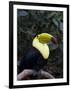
column 33, row 60
column 37, row 57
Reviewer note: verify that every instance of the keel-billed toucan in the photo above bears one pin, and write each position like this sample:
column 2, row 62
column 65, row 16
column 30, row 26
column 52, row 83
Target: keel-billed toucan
column 37, row 57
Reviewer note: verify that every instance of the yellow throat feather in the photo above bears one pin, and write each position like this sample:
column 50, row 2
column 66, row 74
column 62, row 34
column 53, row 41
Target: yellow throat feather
column 40, row 43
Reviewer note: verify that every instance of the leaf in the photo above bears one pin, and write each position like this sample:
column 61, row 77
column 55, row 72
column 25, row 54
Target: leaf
column 61, row 26
column 22, row 13
column 55, row 22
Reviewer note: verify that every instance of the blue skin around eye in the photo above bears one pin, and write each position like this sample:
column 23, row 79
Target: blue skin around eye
column 33, row 35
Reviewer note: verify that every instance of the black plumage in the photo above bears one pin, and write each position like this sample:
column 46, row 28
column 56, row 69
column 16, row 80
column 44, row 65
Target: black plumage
column 32, row 60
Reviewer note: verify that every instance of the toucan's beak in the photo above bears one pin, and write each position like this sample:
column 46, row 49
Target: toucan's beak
column 54, row 40
column 40, row 42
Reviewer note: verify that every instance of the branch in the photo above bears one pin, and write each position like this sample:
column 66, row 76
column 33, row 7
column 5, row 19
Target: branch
column 46, row 75
column 25, row 74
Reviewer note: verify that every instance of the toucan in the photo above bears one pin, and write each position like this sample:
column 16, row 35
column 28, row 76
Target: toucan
column 37, row 57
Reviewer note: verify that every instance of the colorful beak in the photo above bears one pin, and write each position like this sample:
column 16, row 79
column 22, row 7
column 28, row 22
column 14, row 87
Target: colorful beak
column 54, row 40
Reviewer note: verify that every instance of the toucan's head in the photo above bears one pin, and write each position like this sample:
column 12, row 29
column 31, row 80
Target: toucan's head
column 40, row 42
column 46, row 38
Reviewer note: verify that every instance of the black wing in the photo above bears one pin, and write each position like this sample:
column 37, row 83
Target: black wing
column 32, row 60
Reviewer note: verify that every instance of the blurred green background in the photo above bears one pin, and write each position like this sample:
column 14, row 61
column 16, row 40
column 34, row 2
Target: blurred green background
column 30, row 22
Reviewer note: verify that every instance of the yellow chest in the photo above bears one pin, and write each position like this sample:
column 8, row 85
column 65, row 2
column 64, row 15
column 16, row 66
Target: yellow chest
column 42, row 48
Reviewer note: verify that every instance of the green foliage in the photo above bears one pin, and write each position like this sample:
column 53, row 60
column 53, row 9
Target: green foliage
column 37, row 21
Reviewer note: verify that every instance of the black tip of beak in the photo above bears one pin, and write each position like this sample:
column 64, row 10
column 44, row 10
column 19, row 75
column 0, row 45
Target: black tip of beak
column 54, row 40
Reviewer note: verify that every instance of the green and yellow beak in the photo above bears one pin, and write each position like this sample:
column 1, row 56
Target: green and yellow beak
column 40, row 42
column 46, row 38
